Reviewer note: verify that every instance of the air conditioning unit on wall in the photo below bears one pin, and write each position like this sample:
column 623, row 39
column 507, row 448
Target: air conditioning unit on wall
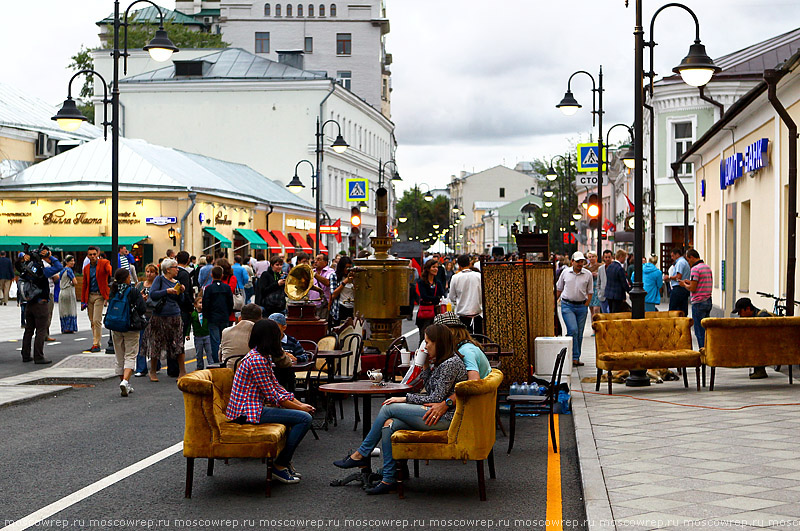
column 45, row 146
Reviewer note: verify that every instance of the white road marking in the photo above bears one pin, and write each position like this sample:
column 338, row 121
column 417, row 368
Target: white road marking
column 55, row 343
column 19, row 348
column 411, row 333
column 80, row 339
column 71, row 499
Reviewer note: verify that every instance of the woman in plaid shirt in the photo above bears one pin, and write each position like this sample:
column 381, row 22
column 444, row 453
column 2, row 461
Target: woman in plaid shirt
column 258, row 398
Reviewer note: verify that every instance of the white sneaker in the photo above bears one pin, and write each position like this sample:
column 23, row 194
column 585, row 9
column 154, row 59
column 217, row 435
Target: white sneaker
column 124, row 388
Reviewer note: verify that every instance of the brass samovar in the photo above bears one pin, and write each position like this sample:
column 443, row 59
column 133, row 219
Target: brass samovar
column 381, row 282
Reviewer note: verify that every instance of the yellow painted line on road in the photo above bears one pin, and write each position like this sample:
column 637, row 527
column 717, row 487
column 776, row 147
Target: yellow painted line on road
column 554, row 513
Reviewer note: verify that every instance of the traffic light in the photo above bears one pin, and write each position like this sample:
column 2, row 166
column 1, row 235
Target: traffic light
column 355, row 219
column 593, row 211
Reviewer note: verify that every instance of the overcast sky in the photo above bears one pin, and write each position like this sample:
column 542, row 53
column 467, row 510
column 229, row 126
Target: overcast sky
column 475, row 82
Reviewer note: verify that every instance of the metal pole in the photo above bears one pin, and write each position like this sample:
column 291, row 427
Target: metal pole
column 638, row 378
column 601, row 159
column 115, row 138
column 319, row 180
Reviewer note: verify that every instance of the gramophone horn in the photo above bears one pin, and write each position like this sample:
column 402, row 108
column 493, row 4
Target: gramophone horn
column 299, row 282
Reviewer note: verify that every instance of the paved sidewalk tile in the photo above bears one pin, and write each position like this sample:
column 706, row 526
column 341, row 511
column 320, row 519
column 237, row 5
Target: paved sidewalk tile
column 675, row 458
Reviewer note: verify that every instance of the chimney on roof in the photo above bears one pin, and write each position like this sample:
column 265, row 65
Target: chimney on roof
column 293, row 58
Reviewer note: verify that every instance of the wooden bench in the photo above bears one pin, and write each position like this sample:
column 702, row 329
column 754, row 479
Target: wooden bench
column 641, row 344
column 750, row 342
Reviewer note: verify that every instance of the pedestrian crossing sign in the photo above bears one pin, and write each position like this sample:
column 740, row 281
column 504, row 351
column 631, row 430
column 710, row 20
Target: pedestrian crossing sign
column 588, row 159
column 357, row 189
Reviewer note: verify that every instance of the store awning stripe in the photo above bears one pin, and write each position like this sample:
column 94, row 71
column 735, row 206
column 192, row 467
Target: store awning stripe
column 225, row 243
column 267, row 237
column 301, row 242
column 283, row 240
column 322, row 247
column 255, row 241
column 66, row 243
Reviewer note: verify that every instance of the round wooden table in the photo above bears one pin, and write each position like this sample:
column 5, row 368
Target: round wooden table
column 365, row 389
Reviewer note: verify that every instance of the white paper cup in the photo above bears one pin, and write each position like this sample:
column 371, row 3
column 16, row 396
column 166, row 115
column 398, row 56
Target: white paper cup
column 405, row 357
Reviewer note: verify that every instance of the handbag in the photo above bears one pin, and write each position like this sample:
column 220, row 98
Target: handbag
column 238, row 300
column 428, row 310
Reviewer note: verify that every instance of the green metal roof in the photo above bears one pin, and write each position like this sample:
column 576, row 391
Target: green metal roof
column 149, row 15
column 207, row 13
column 255, row 241
column 225, row 243
column 66, row 243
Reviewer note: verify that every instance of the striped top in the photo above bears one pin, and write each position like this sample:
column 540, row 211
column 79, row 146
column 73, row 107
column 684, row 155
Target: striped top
column 702, row 274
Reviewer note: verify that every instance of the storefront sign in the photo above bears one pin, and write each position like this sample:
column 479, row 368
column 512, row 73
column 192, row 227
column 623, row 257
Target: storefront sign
column 730, row 169
column 755, row 156
column 128, row 218
column 15, row 217
column 161, row 220
column 222, row 220
column 57, row 217
column 302, row 224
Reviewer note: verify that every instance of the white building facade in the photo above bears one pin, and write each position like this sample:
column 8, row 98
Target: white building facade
column 344, row 40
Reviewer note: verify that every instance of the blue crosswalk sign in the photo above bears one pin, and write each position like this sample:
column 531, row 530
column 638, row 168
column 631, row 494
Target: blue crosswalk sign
column 357, row 189
column 588, row 159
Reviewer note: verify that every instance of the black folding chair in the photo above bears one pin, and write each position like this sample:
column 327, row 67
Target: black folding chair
column 538, row 403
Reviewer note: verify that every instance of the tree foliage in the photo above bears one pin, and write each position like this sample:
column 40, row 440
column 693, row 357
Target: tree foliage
column 565, row 201
column 83, row 61
column 421, row 214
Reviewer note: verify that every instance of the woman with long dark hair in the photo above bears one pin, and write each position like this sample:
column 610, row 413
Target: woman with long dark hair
column 258, row 398
column 342, row 293
column 67, row 300
column 271, row 296
column 442, row 371
column 431, row 292
column 230, row 279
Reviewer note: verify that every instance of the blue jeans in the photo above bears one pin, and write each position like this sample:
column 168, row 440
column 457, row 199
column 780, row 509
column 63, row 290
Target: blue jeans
column 604, row 307
column 575, row 318
column 650, row 307
column 298, row 423
column 215, row 333
column 700, row 310
column 404, row 417
column 202, row 347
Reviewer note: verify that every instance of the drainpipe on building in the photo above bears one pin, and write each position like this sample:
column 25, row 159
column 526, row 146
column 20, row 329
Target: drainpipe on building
column 271, row 208
column 193, row 199
column 711, row 100
column 772, row 77
column 675, row 168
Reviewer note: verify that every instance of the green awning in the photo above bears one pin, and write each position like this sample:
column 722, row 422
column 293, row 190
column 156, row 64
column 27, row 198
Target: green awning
column 225, row 243
column 252, row 237
column 66, row 243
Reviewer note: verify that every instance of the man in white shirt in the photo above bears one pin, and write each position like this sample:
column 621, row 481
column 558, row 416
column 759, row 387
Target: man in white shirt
column 575, row 286
column 465, row 293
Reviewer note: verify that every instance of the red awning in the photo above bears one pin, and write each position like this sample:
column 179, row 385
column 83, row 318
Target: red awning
column 273, row 245
column 322, row 247
column 301, row 242
column 283, row 240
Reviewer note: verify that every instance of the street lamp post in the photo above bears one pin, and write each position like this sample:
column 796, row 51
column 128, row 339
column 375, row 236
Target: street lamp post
column 69, row 117
column 696, row 69
column 295, row 185
column 570, row 106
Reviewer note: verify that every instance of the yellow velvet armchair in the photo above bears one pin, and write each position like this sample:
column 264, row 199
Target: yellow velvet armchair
column 209, row 434
column 751, row 342
column 471, row 435
column 629, row 315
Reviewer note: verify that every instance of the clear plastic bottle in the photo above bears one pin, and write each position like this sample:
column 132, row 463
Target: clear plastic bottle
column 514, row 389
column 533, row 389
column 523, row 389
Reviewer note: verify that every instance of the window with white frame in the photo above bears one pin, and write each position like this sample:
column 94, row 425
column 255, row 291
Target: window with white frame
column 682, row 137
column 344, row 78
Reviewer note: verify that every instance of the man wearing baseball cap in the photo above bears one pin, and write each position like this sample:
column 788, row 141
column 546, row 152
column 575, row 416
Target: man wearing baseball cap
column 744, row 308
column 575, row 287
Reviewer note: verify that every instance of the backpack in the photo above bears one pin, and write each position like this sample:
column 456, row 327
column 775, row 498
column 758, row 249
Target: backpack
column 27, row 290
column 118, row 315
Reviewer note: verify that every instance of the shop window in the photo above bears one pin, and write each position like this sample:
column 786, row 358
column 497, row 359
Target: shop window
column 310, row 10
column 309, row 45
column 333, row 10
column 682, row 138
column 267, row 10
column 344, row 43
column 322, row 10
column 262, row 41
column 299, row 10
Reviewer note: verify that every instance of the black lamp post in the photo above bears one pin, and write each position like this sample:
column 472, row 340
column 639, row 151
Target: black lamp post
column 295, row 185
column 570, row 106
column 696, row 69
column 69, row 117
column 564, row 202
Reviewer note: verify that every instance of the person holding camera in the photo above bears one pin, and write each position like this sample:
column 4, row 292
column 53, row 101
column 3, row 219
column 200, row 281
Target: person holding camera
column 35, row 292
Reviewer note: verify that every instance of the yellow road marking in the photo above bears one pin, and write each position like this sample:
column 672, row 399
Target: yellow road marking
column 554, row 506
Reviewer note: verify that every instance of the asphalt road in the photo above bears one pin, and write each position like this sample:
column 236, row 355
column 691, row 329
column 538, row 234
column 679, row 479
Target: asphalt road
column 53, row 447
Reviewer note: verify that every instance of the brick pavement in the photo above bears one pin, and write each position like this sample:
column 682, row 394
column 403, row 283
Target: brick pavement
column 660, row 463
